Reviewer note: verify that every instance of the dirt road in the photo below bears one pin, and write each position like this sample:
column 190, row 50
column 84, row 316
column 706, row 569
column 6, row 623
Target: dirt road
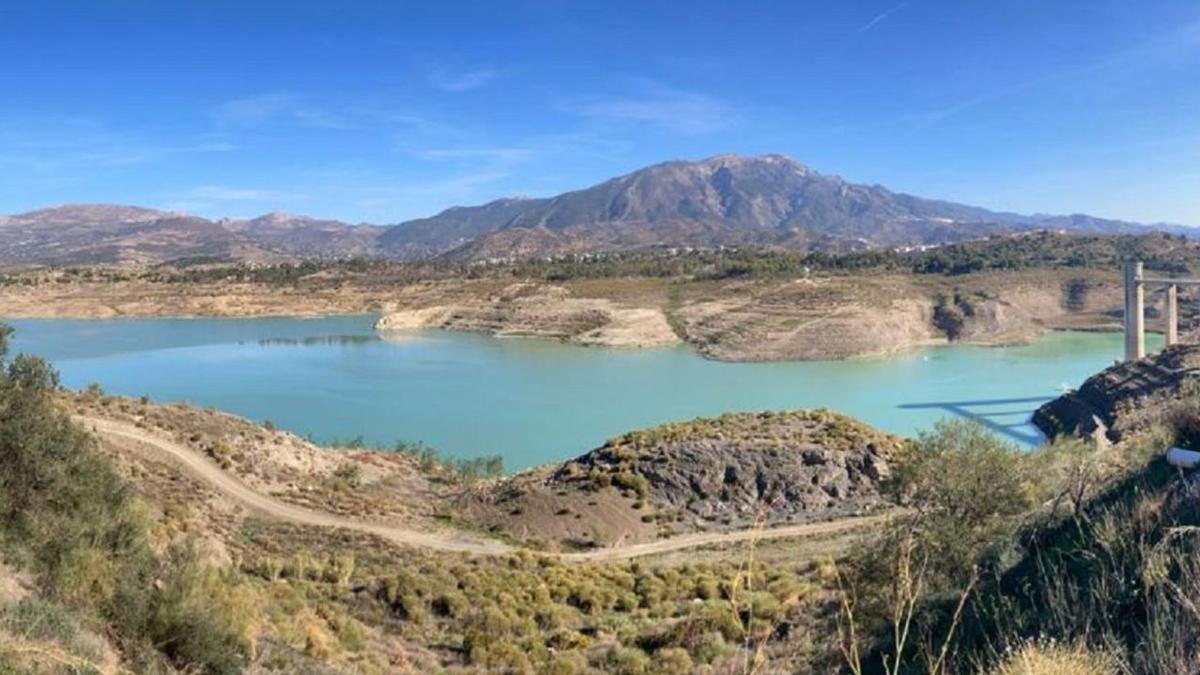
column 202, row 468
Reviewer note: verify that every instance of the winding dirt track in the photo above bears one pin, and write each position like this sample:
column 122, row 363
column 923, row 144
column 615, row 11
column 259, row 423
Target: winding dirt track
column 202, row 468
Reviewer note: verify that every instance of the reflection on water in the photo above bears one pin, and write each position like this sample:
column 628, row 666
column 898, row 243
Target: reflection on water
column 534, row 401
column 319, row 340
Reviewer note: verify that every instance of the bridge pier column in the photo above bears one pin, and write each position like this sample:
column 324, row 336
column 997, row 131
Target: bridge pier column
column 1135, row 330
column 1172, row 315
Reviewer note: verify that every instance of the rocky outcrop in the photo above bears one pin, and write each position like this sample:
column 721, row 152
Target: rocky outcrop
column 811, row 318
column 730, row 472
column 1021, row 307
column 1125, row 397
column 738, row 468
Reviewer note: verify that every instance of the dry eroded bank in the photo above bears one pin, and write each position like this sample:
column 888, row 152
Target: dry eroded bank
column 775, row 320
column 735, row 320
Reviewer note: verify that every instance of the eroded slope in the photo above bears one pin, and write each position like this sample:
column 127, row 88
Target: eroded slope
column 725, row 473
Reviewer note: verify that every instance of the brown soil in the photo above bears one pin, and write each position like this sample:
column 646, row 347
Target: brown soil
column 733, row 473
column 207, row 496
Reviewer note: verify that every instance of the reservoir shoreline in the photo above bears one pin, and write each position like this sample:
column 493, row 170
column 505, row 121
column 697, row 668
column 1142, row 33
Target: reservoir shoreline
column 535, row 401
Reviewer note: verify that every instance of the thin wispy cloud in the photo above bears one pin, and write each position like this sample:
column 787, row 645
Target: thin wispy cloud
column 64, row 146
column 660, row 105
column 501, row 154
column 216, row 201
column 524, row 150
column 262, row 109
column 880, row 18
column 457, row 82
column 1127, row 63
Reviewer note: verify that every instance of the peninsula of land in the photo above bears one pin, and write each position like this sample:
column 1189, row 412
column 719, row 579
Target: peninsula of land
column 727, row 305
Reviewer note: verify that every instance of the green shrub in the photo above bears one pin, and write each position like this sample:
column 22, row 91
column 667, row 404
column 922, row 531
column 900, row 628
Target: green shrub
column 628, row 661
column 968, row 489
column 627, row 480
column 349, row 474
column 449, row 604
column 672, row 660
column 69, row 519
column 200, row 615
column 36, row 619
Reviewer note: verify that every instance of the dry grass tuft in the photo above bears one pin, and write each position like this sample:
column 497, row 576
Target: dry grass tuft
column 1053, row 658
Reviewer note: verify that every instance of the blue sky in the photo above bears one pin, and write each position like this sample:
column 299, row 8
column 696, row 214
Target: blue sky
column 386, row 111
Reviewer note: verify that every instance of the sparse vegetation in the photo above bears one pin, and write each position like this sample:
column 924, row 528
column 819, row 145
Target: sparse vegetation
column 1160, row 251
column 1069, row 559
column 534, row 614
column 69, row 520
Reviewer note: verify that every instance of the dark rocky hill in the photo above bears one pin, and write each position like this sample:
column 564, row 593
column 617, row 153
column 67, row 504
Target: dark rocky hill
column 729, row 472
column 1127, row 397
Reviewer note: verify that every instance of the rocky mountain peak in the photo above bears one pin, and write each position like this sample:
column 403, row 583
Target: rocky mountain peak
column 279, row 218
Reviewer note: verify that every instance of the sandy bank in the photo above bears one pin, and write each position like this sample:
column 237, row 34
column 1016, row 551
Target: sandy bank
column 532, row 310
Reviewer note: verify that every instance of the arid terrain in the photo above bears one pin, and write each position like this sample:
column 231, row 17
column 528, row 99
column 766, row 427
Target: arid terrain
column 737, row 472
column 806, row 314
column 426, row 502
column 335, row 527
column 698, row 546
column 692, row 547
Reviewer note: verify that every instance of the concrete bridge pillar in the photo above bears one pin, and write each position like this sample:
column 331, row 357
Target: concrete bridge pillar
column 1172, row 315
column 1135, row 329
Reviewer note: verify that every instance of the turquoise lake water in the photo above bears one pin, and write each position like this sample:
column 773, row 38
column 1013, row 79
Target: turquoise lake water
column 534, row 401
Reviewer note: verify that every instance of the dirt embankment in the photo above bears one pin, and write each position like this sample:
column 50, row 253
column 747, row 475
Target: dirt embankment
column 806, row 319
column 136, row 298
column 708, row 475
column 822, row 317
column 206, row 471
column 536, row 310
column 348, row 481
column 846, row 316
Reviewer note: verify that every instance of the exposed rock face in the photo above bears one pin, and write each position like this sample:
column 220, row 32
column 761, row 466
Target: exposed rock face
column 531, row 310
column 1021, row 310
column 774, row 320
column 708, row 474
column 831, row 318
column 777, row 466
column 1125, row 397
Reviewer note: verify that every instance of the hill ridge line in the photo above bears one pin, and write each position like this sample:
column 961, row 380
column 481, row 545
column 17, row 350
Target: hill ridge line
column 440, row 540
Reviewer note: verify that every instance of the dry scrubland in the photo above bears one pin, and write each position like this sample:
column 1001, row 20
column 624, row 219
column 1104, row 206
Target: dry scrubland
column 1077, row 556
column 736, row 305
column 290, row 598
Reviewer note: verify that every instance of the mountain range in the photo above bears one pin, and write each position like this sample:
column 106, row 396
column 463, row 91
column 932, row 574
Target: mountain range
column 727, row 200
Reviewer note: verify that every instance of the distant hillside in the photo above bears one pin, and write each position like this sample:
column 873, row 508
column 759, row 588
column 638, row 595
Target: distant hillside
column 104, row 233
column 724, row 200
column 770, row 200
column 727, row 200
